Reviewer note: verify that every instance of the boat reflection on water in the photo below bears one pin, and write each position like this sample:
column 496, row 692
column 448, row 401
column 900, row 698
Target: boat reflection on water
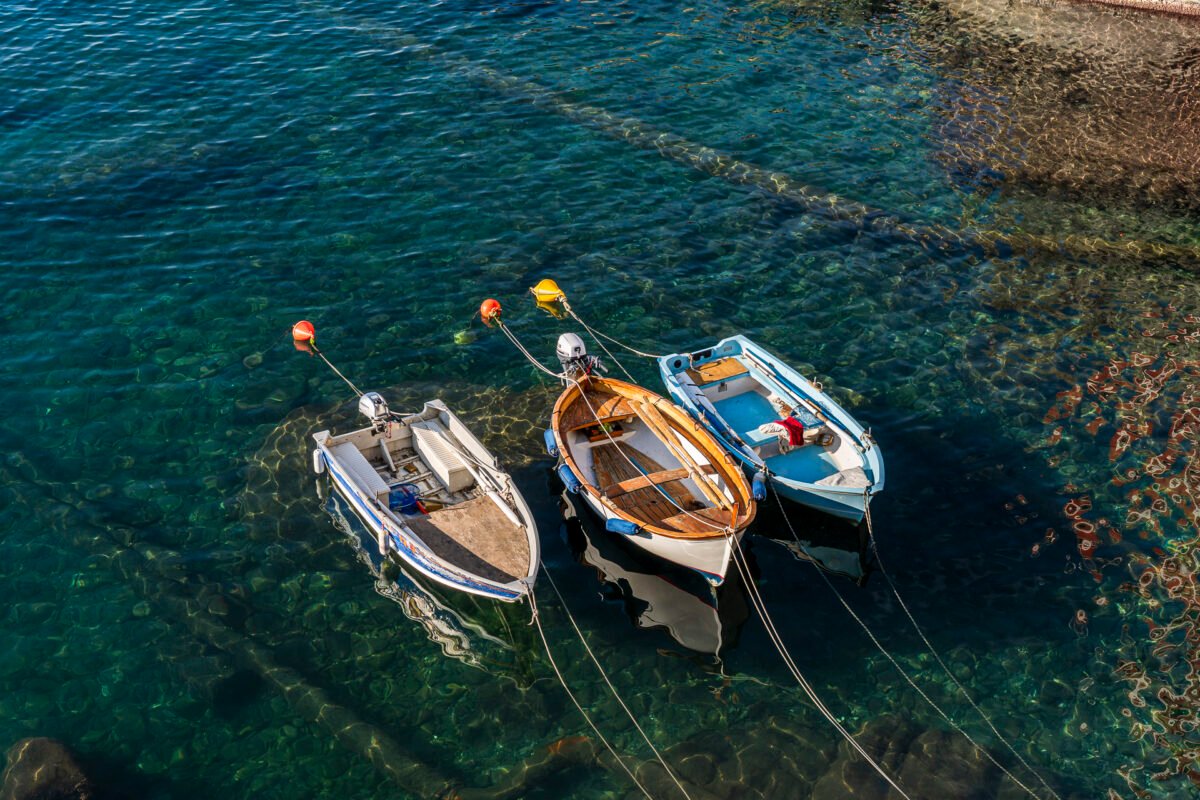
column 471, row 629
column 657, row 594
column 825, row 541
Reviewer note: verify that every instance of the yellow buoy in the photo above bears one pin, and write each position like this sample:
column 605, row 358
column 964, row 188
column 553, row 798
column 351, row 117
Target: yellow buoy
column 547, row 292
column 553, row 308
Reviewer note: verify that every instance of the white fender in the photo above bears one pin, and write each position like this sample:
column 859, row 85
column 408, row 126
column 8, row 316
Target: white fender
column 318, row 461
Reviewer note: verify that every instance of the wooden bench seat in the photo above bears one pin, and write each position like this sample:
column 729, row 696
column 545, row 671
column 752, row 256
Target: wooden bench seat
column 720, row 370
column 647, row 501
column 609, row 408
column 653, row 479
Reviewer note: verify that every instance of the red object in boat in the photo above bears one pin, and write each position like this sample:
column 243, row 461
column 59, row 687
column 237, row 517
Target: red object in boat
column 795, row 429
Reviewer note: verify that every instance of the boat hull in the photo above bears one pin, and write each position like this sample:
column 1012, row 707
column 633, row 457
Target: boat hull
column 396, row 537
column 707, row 551
column 403, row 544
column 847, row 505
column 709, row 557
column 844, row 502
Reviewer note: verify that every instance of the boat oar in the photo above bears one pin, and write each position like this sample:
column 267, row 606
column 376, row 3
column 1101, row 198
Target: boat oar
column 653, row 418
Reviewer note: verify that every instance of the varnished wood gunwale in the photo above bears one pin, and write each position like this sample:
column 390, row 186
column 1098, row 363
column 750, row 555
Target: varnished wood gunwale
column 685, row 428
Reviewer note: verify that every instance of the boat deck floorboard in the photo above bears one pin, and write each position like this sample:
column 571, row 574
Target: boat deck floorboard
column 647, row 503
column 477, row 537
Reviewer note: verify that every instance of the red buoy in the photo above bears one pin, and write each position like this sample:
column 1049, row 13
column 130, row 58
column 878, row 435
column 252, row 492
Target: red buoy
column 489, row 310
column 303, row 331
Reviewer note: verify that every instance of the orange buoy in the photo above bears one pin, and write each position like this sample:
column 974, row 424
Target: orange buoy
column 303, row 331
column 489, row 310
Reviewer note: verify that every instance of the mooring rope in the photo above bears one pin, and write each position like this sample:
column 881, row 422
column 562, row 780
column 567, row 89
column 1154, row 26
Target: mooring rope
column 336, row 371
column 937, row 656
column 760, row 607
column 597, row 335
column 904, row 673
column 752, row 589
column 612, row 688
column 537, row 620
column 596, row 415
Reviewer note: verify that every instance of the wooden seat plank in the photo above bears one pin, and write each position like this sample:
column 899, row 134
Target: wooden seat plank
column 720, row 370
column 654, row 478
column 642, row 481
column 608, row 407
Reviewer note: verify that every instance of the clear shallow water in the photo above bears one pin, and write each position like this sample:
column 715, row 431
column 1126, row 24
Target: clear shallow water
column 180, row 184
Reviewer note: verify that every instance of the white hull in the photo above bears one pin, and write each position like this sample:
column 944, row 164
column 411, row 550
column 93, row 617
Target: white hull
column 362, row 484
column 709, row 557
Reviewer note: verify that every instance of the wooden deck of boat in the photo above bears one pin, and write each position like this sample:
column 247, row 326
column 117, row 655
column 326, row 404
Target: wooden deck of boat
column 720, row 370
column 478, row 537
column 648, row 502
column 608, row 406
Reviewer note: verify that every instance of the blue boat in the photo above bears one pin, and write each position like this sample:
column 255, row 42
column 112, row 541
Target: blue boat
column 779, row 425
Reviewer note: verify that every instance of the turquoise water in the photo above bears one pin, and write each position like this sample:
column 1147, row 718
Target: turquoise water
column 181, row 183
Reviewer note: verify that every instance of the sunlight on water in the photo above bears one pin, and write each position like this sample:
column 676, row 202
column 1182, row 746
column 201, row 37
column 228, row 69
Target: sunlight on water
column 955, row 215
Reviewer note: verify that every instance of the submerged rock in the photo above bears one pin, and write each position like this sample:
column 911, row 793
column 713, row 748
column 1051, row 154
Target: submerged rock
column 1070, row 99
column 929, row 763
column 43, row 769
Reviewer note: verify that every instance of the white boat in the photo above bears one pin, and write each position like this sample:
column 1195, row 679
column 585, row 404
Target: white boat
column 747, row 398
column 433, row 495
column 647, row 469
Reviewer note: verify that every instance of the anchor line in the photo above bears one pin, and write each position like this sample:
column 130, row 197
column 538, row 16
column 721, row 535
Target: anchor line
column 743, row 569
column 760, row 607
column 597, row 335
column 537, row 620
column 336, row 371
column 937, row 656
column 612, row 688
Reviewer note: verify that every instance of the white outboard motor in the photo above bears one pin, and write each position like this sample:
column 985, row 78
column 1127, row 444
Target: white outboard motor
column 372, row 406
column 570, row 349
column 573, row 355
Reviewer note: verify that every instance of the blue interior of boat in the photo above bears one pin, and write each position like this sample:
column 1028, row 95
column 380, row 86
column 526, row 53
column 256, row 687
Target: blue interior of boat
column 746, row 411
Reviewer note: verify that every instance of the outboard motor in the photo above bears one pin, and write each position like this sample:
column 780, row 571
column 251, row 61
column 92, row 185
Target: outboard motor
column 573, row 356
column 372, row 406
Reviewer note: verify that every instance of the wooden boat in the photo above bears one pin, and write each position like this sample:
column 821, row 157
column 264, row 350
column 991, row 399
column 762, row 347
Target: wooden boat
column 433, row 496
column 650, row 472
column 736, row 387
